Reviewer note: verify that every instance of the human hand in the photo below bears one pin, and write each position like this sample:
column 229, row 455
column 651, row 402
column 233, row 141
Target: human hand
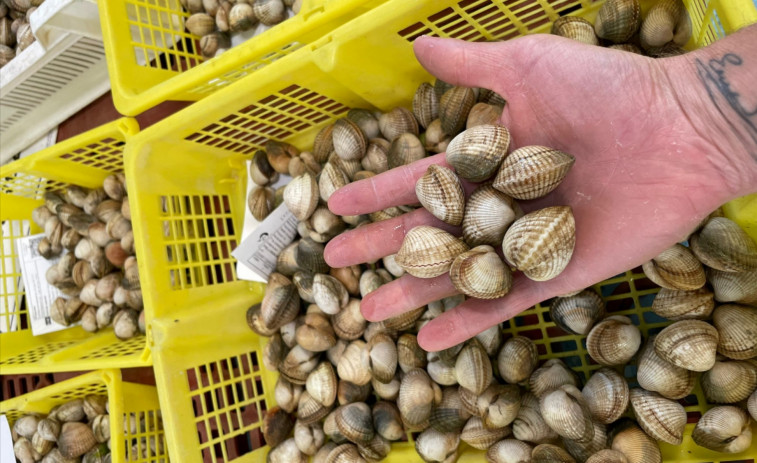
column 644, row 175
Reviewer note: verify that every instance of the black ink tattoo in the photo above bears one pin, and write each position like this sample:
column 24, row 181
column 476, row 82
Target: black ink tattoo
column 714, row 79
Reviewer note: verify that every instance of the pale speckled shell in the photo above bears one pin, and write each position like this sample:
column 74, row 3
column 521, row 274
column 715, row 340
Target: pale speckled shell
column 425, row 104
column 576, row 28
column 479, row 436
column 396, row 122
column 436, row 446
column 473, row 367
column 737, row 327
column 488, row 213
column 565, row 410
column 723, row 429
column 629, row 439
column 531, row 172
column 440, row 192
column 540, row 244
column 577, row 314
column 613, row 341
column 349, row 141
column 739, row 287
column 529, row 424
column 550, row 453
column 332, row 178
column 659, row 375
column 301, row 196
column 405, row 149
column 321, row 384
column 477, row 153
column 480, row 273
column 675, row 268
column 415, row 399
column 454, row 106
column 383, row 357
column 428, row 252
column 666, row 21
column 677, row 305
column 517, row 359
column 606, row 394
column 690, row 344
column 729, row 381
column 618, row 20
column 663, row 419
column 721, row 244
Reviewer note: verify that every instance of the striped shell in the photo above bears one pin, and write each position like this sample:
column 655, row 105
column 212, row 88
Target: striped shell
column 531, row 172
column 436, row 446
column 323, row 144
column 509, row 451
column 666, row 21
column 607, row 456
column 723, row 429
column 332, row 178
column 739, row 287
column 428, row 252
column 416, row 397
column 321, row 384
column 675, row 268
column 477, row 153
column 517, row 359
column 349, row 141
column 396, row 122
column 606, row 394
column 488, row 213
column 577, row 314
column 613, row 341
column 737, row 327
column 658, row 375
column 549, row 453
column 721, row 244
column 425, row 104
column 355, row 423
column 576, row 28
column 480, row 273
column 540, row 244
column 454, row 106
column 387, row 421
column 565, row 410
column 677, row 305
column 529, row 424
column 405, row 149
column 484, row 114
column 729, row 382
column 301, row 196
column 440, row 192
column 550, row 376
column 689, row 344
column 479, row 436
column 473, row 367
column 661, row 418
column 618, row 20
column 449, row 415
column 629, row 439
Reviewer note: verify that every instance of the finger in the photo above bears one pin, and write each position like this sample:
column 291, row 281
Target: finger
column 371, row 242
column 403, row 294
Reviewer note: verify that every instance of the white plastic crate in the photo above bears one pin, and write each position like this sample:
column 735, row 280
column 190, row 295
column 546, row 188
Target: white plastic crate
column 56, row 76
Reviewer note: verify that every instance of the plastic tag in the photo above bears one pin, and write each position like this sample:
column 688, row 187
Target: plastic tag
column 259, row 250
column 6, row 441
column 39, row 293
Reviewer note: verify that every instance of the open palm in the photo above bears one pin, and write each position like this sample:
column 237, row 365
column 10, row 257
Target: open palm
column 643, row 178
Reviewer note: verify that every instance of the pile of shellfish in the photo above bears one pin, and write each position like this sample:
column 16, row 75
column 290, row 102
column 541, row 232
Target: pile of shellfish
column 215, row 20
column 89, row 232
column 619, row 25
column 15, row 32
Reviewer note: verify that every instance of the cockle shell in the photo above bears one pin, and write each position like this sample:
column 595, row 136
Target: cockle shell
column 488, row 213
column 347, row 392
column 630, row 440
column 354, row 422
column 323, row 144
column 280, row 305
column 540, row 244
column 315, row 333
column 509, row 451
column 581, row 451
column 277, row 424
column 737, row 330
column 269, row 12
column 498, row 405
column 473, row 367
column 480, row 273
column 491, row 340
column 386, row 391
column 491, row 97
column 607, row 456
column 450, row 415
column 613, row 341
column 550, row 376
column 349, row 140
column 435, row 139
column 387, row 421
column 479, row 436
column 349, row 323
column 75, row 439
column 376, row 449
column 531, row 172
column 721, row 244
column 274, row 352
column 298, row 364
column 241, row 17
column 689, row 344
column 675, row 268
column 677, row 305
column 618, row 20
column 549, row 453
column 576, row 28
column 329, row 293
column 477, row 153
column 200, row 24
column 410, row 355
column 565, row 410
column 427, row 252
column 416, row 399
column 577, row 314
column 396, row 122
column 729, row 381
column 403, row 321
column 723, row 429
column 260, row 202
column 321, row 384
column 309, row 410
column 425, row 104
column 752, row 405
column 353, row 365
column 382, row 357
column 301, row 196
column 517, row 359
column 529, row 425
column 666, row 21
column 332, row 178
column 606, row 394
column 366, row 120
column 308, row 437
column 739, row 287
column 345, row 453
column 661, row 418
column 658, row 375
column 439, row 190
column 375, row 159
column 441, row 372
column 405, row 149
column 454, row 106
column 434, row 446
column 484, row 114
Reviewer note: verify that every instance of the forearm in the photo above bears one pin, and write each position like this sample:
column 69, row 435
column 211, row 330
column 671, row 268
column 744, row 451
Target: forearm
column 716, row 88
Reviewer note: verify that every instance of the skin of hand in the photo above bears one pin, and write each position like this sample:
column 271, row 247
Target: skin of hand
column 654, row 156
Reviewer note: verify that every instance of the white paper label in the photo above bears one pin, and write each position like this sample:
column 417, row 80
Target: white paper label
column 6, row 441
column 259, row 250
column 13, row 284
column 39, row 293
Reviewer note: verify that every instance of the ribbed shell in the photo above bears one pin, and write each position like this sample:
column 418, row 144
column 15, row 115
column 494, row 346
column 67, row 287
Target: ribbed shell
column 529, row 425
column 439, row 190
column 752, row 405
column 739, row 287
column 301, row 196
column 577, row 314
column 473, row 367
column 729, row 382
column 332, row 178
column 280, row 305
column 576, row 28
column 737, row 327
column 436, row 446
column 269, row 12
column 366, row 120
column 666, row 20
column 517, row 359
column 480, row 273
column 618, row 20
column 387, row 421
column 629, row 439
column 310, row 410
column 345, row 453
column 509, row 451
column 676, row 268
column 677, row 305
column 531, row 172
column 723, row 429
column 540, row 244
column 477, row 153
column 449, row 415
column 349, row 141
column 607, row 456
column 581, row 451
column 425, row 104
column 415, row 399
column 329, row 293
column 550, row 376
column 721, row 244
column 396, row 122
column 383, row 357
column 405, row 149
column 663, row 419
column 690, row 344
column 440, row 371
column 260, row 202
column 403, row 321
column 499, row 405
column 565, row 410
column 483, row 114
column 355, row 422
column 75, row 439
column 606, row 394
column 428, row 252
column 323, row 144
column 454, row 106
column 354, row 362
column 549, row 453
column 409, row 353
column 321, row 384
column 613, row 341
column 488, row 213
column 375, row 157
column 658, row 375
column 479, row 436
column 298, row 364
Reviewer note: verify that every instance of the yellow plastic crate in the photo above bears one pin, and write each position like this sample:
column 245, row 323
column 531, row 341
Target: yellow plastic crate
column 190, row 193
column 151, row 58
column 126, row 401
column 83, row 160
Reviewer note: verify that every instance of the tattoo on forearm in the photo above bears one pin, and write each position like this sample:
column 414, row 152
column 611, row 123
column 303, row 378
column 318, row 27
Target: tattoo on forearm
column 727, row 100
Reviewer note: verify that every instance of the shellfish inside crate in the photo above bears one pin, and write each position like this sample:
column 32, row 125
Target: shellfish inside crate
column 213, row 388
column 83, row 160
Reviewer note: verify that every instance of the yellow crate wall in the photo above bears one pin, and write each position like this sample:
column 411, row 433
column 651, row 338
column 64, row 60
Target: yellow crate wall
column 84, row 160
column 192, row 219
column 152, row 58
column 126, row 401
